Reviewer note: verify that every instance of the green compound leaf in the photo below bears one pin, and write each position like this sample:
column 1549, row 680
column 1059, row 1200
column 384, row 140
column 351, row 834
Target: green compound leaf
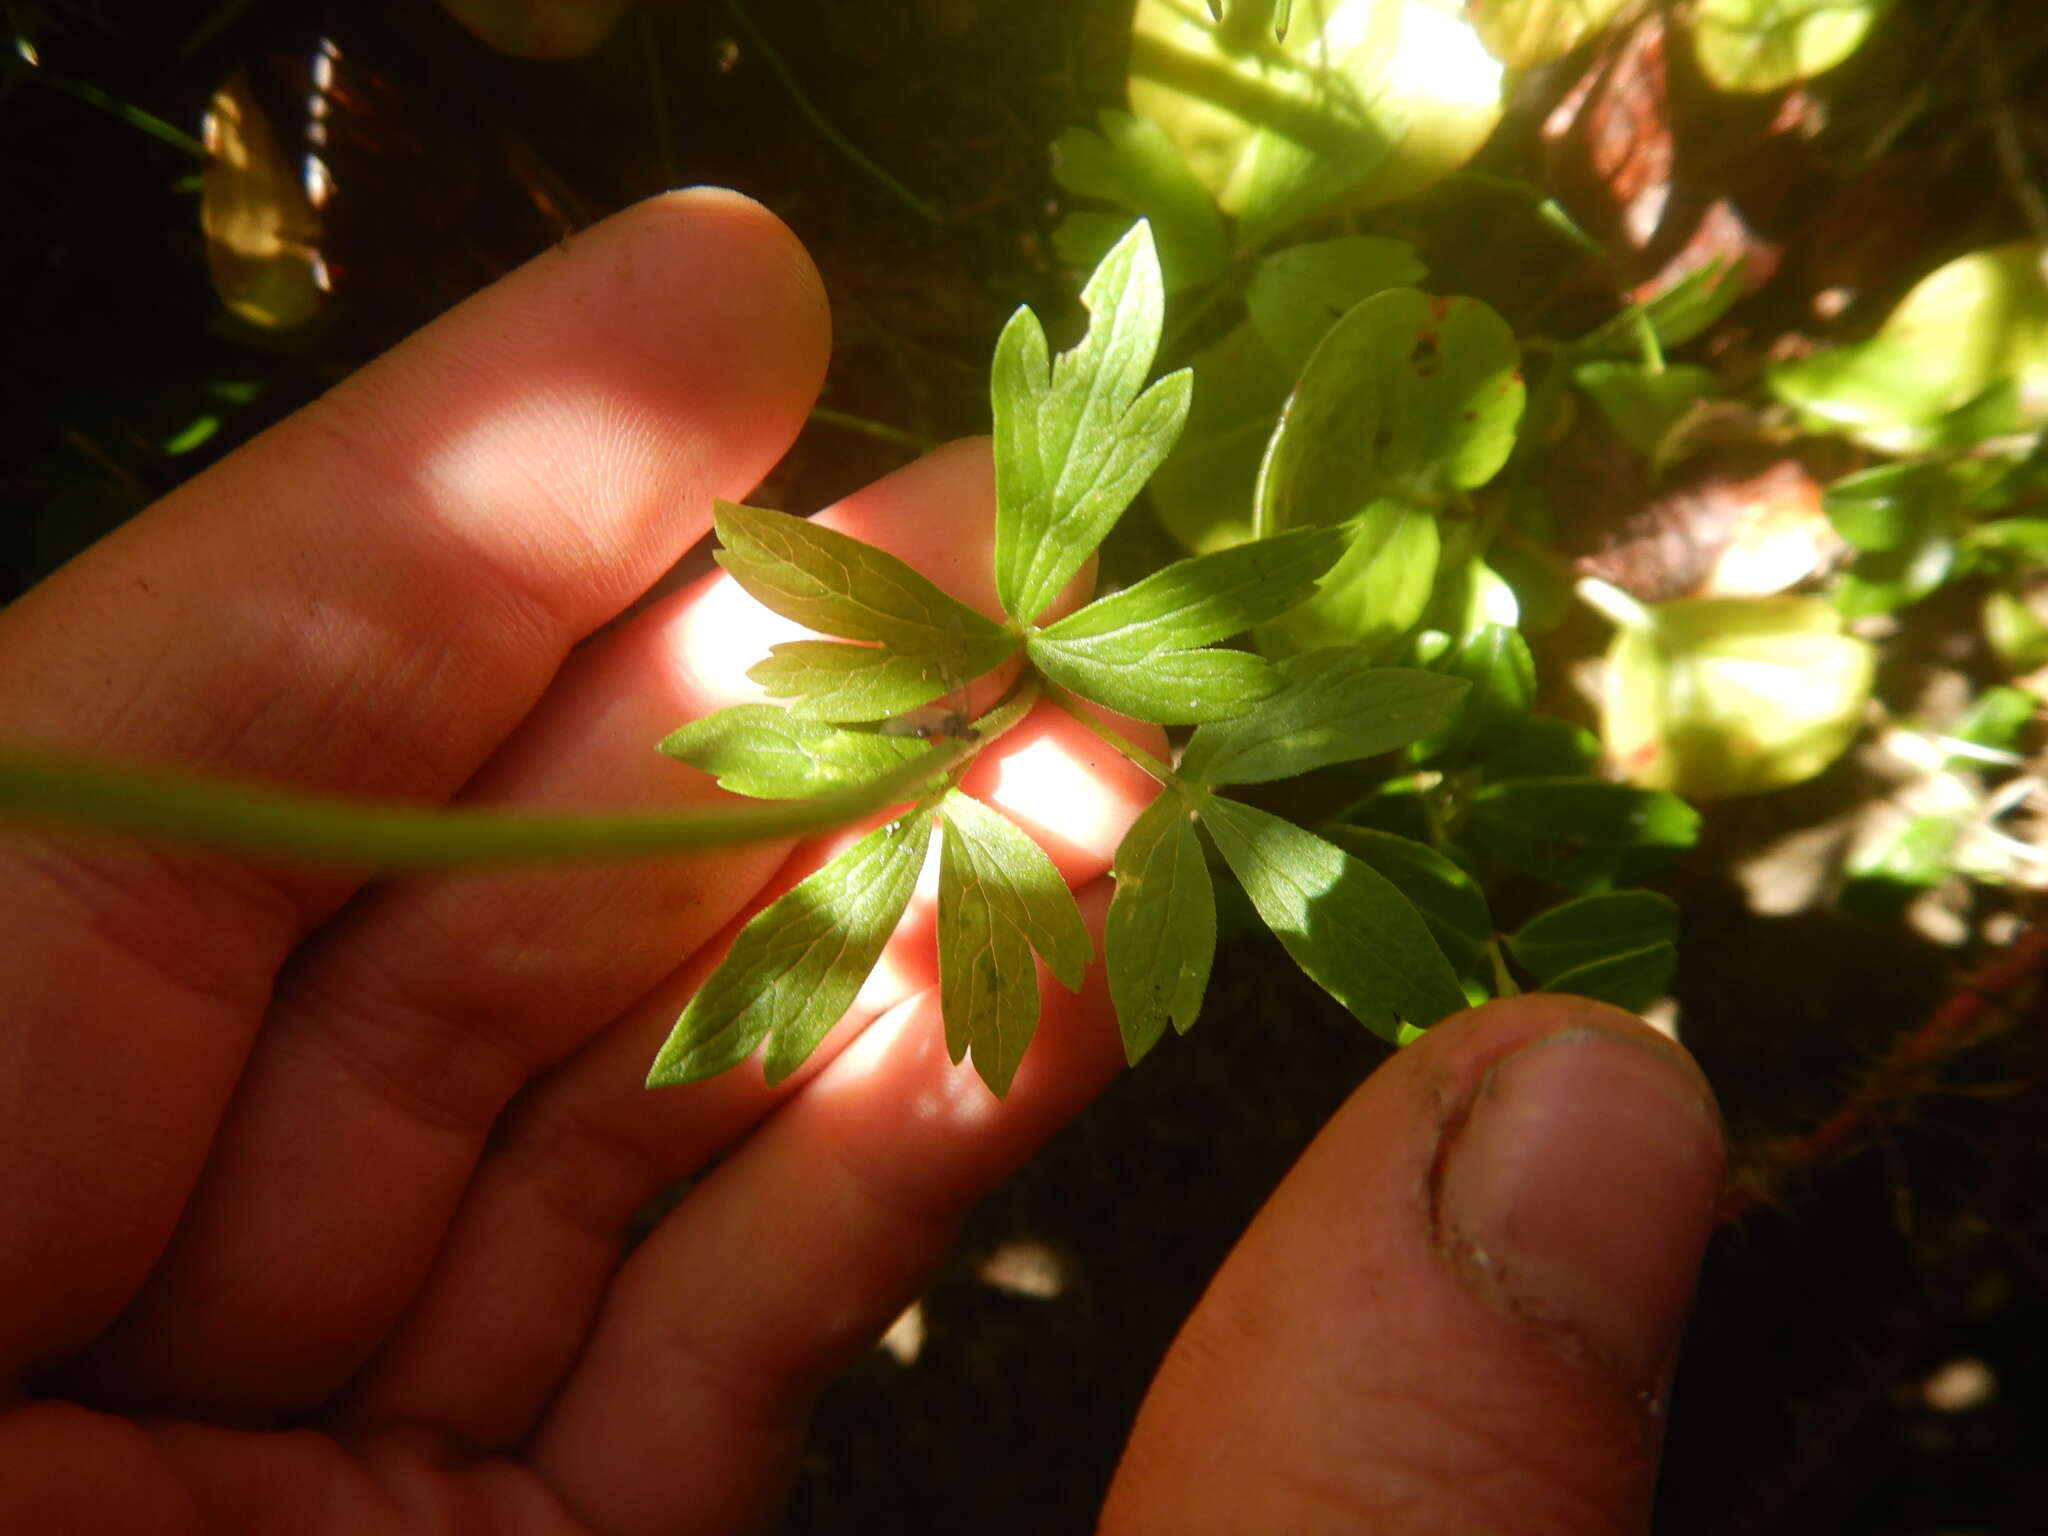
column 1160, row 936
column 1335, row 705
column 1132, row 164
column 796, row 967
column 834, row 681
column 1075, row 438
column 1356, row 936
column 765, row 751
column 1136, row 649
column 1000, row 898
column 1296, row 295
column 837, row 585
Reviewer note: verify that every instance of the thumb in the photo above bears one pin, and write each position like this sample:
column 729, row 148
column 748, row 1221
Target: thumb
column 1459, row 1311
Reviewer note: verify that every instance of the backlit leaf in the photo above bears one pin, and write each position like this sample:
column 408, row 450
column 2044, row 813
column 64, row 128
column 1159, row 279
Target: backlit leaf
column 838, row 585
column 768, row 752
column 1000, row 899
column 796, row 967
column 832, row 680
column 1174, row 688
column 1160, row 936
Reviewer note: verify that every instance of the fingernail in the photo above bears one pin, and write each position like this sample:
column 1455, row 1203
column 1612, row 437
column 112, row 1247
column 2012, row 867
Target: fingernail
column 1577, row 1195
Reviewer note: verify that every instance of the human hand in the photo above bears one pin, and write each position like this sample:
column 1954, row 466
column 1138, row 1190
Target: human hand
column 327, row 1183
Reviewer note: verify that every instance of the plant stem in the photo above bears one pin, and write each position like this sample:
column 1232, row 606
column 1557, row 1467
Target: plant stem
column 1131, row 750
column 839, row 141
column 880, row 431
column 360, row 833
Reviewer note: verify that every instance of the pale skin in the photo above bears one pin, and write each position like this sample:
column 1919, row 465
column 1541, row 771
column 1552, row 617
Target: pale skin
column 315, row 1188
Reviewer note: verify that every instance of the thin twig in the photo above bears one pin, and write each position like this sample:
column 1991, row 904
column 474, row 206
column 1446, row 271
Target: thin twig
column 773, row 60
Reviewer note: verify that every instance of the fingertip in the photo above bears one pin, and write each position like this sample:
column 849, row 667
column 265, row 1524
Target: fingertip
column 1465, row 1296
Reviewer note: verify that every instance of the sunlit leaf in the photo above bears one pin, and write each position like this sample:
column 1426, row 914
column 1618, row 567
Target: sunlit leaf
column 1525, row 33
column 1675, row 314
column 1335, row 706
column 1076, row 436
column 796, row 967
column 1135, row 649
column 1199, row 600
column 1729, row 696
column 1974, row 325
column 1409, row 396
column 1764, row 45
column 1376, row 593
column 1885, row 872
column 1356, row 936
column 765, row 751
column 1296, row 295
column 1362, row 103
column 1644, row 405
column 1160, row 935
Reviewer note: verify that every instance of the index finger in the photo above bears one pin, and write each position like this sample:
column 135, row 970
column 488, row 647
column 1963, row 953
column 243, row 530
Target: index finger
column 369, row 597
